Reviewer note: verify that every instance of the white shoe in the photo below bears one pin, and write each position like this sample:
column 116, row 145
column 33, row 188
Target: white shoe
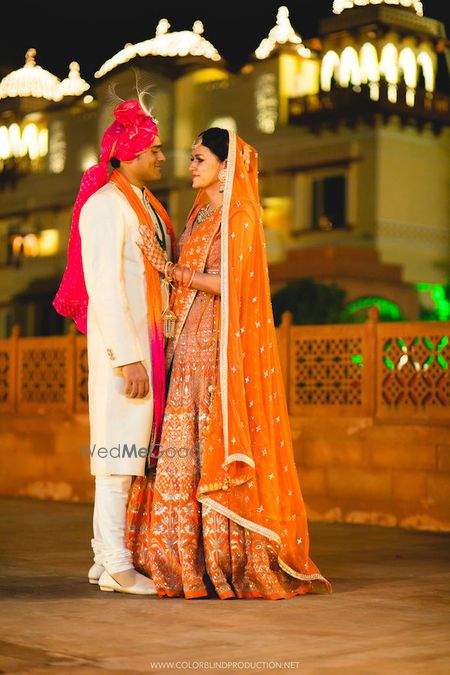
column 95, row 573
column 141, row 586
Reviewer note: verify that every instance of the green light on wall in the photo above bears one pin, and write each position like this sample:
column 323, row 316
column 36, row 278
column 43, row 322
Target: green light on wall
column 428, row 343
column 442, row 362
column 358, row 360
column 388, row 363
column 440, row 298
column 443, row 343
column 389, row 311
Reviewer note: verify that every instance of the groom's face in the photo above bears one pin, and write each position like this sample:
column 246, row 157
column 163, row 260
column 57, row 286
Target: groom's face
column 147, row 165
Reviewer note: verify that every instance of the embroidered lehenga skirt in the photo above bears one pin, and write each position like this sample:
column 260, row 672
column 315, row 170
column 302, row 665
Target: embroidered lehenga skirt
column 185, row 547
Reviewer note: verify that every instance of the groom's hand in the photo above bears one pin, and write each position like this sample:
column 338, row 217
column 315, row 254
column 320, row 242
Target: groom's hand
column 136, row 380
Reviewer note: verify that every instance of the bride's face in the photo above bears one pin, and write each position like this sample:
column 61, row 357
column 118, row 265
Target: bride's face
column 204, row 167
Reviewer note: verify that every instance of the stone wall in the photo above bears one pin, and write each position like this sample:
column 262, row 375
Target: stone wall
column 369, row 406
column 41, row 456
column 350, row 469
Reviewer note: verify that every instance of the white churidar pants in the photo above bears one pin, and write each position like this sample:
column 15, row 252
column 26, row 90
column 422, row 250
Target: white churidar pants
column 110, row 514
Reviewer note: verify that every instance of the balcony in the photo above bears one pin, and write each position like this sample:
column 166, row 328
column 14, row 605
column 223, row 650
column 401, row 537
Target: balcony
column 349, row 106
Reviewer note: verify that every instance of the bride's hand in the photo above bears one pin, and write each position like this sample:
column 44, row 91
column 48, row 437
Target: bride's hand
column 151, row 249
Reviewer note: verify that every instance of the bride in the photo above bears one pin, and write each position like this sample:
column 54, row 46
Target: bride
column 223, row 513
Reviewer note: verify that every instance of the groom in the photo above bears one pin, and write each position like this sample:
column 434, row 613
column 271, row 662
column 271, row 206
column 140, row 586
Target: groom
column 115, row 297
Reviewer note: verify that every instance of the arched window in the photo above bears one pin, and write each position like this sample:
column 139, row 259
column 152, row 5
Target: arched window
column 5, row 145
column 30, row 141
column 408, row 65
column 14, row 139
column 330, row 67
column 389, row 69
column 389, row 63
column 370, row 71
column 349, row 70
column 425, row 62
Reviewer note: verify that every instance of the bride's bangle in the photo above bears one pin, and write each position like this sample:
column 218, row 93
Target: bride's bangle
column 168, row 273
column 173, row 276
column 189, row 281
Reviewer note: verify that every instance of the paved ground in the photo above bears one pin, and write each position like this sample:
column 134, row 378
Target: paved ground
column 389, row 612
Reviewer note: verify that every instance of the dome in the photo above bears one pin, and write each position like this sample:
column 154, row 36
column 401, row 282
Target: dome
column 340, row 5
column 282, row 33
column 165, row 43
column 73, row 85
column 31, row 80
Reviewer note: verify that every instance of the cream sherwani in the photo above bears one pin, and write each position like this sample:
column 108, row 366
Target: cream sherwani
column 117, row 332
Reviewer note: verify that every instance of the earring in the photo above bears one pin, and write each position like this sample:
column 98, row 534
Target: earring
column 222, row 178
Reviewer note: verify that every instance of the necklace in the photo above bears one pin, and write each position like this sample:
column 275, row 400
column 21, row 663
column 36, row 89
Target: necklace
column 205, row 212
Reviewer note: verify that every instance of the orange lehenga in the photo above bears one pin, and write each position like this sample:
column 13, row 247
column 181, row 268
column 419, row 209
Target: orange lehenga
column 224, row 512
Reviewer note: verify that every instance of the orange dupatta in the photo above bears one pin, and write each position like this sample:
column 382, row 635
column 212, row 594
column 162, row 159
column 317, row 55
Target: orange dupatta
column 248, row 469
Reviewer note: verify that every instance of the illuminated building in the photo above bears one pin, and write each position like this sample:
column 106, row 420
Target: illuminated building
column 379, row 104
column 351, row 129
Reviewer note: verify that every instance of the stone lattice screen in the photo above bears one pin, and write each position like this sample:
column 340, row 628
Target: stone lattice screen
column 81, row 375
column 45, row 374
column 330, row 370
column 8, row 362
column 413, row 378
column 396, row 372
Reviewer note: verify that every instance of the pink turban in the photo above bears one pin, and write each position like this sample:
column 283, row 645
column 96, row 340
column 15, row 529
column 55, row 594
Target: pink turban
column 132, row 132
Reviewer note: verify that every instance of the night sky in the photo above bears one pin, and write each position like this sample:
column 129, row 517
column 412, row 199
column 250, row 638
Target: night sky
column 91, row 32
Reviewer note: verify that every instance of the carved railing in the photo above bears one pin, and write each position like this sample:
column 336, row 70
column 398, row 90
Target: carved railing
column 391, row 372
column 413, row 378
column 43, row 374
column 8, row 367
column 81, row 374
